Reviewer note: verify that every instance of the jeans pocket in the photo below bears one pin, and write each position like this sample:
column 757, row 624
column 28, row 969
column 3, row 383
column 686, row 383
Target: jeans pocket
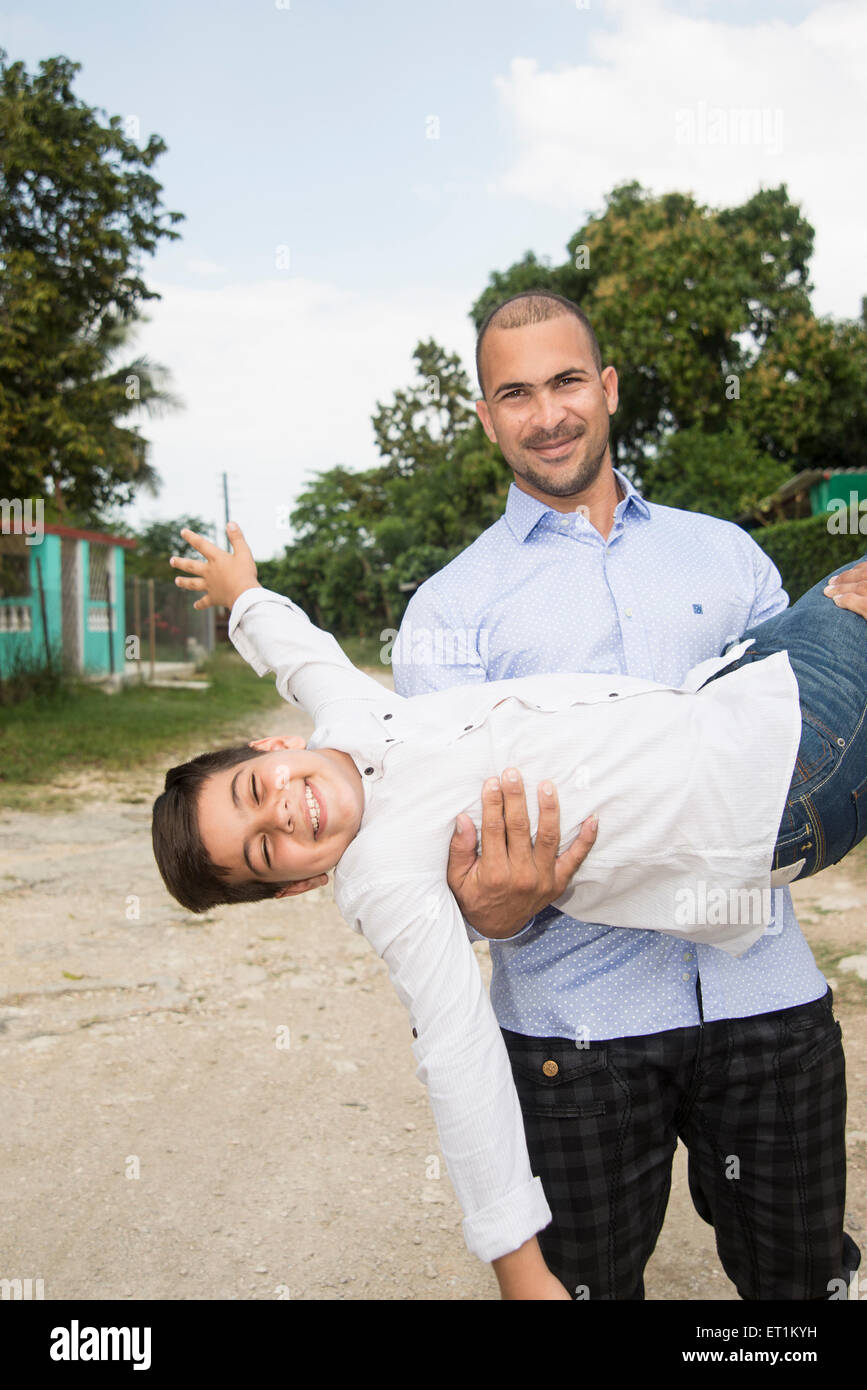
column 812, row 1031
column 816, row 753
column 827, row 1043
column 560, row 1082
column 797, row 843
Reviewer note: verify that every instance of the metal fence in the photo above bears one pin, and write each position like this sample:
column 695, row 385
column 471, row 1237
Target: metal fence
column 168, row 627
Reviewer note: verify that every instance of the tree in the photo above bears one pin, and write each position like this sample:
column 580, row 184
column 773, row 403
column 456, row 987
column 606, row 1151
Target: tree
column 721, row 474
column 430, row 414
column 78, row 210
column 804, row 400
column 157, row 541
column 706, row 315
column 334, row 567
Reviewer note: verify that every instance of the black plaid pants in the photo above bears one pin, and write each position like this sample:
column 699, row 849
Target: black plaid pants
column 760, row 1104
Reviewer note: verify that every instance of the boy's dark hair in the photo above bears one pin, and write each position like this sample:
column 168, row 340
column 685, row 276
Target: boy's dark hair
column 188, row 871
column 533, row 306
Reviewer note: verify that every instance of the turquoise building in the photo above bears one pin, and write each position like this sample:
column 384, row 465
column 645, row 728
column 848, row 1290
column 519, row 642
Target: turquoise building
column 61, row 597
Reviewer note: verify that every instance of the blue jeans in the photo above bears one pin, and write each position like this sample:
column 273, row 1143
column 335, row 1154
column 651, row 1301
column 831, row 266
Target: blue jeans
column 826, row 809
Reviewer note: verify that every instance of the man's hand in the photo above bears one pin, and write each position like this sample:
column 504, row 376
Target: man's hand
column 222, row 575
column 849, row 590
column 513, row 879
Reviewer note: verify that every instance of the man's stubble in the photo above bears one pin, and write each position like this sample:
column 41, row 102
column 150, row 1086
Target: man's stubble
column 578, row 479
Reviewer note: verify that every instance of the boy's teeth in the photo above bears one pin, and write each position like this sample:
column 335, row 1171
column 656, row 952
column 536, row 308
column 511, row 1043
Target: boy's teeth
column 314, row 807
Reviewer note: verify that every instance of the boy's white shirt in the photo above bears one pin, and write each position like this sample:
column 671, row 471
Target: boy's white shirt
column 689, row 788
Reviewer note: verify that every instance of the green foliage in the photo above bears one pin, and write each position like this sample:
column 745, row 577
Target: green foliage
column 721, row 474
column 428, row 416
column 805, row 551
column 804, row 400
column 33, row 677
column 157, row 541
column 78, row 210
column 683, row 298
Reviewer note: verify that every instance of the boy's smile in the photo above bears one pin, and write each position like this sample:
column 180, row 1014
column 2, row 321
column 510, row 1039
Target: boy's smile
column 285, row 814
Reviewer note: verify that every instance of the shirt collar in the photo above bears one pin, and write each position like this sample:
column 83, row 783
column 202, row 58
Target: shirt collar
column 524, row 512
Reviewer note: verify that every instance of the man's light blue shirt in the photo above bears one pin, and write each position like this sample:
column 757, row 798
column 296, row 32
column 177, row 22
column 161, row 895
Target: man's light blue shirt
column 543, row 591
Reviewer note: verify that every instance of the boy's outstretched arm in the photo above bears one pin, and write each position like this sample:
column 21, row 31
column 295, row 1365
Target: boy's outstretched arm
column 273, row 634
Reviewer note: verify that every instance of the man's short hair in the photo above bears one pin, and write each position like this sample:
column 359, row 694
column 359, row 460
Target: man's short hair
column 532, row 306
column 188, row 871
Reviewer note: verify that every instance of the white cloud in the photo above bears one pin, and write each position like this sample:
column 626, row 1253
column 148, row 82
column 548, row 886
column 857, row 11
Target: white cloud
column 688, row 103
column 279, row 379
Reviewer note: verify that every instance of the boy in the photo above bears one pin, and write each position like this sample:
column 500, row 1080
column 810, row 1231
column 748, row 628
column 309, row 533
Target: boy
column 375, row 792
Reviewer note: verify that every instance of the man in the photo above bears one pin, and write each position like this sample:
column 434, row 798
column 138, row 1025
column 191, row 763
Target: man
column 621, row 1041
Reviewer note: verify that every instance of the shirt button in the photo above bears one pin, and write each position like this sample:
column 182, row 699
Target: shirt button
column 386, row 716
column 415, row 1032
column 687, row 955
column 612, row 694
column 467, row 728
column 550, row 1068
column 368, row 771
column 629, row 612
column 687, row 975
column 389, row 740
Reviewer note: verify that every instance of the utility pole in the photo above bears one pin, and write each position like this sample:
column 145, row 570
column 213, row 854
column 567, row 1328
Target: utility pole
column 221, row 627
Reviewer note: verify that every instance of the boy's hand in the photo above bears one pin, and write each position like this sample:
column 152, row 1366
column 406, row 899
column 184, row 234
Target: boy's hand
column 222, row 575
column 524, row 1275
column 547, row 1288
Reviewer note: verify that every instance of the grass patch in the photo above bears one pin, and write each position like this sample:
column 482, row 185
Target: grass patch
column 28, row 678
column 77, row 727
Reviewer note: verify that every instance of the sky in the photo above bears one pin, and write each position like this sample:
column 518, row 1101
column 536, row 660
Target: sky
column 352, row 173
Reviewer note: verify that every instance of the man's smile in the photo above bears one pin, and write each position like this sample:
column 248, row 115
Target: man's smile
column 558, row 448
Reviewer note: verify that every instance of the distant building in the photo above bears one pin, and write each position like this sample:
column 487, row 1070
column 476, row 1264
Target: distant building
column 808, row 493
column 62, row 592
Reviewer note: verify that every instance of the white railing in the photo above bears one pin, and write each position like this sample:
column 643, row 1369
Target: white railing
column 16, row 617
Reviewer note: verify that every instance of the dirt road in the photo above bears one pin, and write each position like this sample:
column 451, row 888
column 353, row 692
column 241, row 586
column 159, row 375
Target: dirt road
column 226, row 1107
